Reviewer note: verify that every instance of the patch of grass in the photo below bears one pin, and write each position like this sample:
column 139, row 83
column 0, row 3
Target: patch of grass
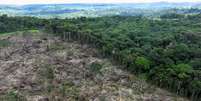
column 4, row 43
column 7, row 33
column 56, row 47
column 47, row 72
column 70, row 90
column 18, row 32
column 64, row 91
column 45, row 77
column 50, row 87
column 34, row 31
column 12, row 96
column 95, row 67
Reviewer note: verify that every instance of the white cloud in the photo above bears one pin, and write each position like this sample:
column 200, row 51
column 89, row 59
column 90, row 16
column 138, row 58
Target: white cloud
column 86, row 1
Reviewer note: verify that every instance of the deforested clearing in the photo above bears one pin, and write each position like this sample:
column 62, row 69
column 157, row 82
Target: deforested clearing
column 36, row 66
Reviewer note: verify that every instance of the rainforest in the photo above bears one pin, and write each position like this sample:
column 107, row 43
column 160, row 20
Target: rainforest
column 165, row 51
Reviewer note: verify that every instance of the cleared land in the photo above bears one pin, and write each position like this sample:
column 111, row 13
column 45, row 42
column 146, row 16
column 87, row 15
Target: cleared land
column 35, row 66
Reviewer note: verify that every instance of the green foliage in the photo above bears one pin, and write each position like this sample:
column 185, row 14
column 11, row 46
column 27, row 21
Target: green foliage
column 12, row 96
column 55, row 47
column 183, row 70
column 4, row 43
column 9, row 24
column 69, row 90
column 95, row 67
column 50, row 87
column 143, row 63
column 47, row 72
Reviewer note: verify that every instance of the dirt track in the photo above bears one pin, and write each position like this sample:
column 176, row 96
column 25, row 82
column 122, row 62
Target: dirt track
column 40, row 67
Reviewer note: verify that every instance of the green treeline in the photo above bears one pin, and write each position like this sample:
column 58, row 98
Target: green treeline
column 10, row 24
column 166, row 51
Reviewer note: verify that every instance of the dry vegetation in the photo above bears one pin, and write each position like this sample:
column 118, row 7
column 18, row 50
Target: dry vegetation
column 40, row 67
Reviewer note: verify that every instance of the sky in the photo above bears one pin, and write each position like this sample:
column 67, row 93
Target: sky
column 21, row 2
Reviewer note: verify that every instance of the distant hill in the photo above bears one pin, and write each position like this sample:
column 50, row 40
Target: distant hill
column 93, row 10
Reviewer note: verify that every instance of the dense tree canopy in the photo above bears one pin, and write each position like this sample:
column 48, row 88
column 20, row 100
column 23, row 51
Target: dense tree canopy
column 9, row 24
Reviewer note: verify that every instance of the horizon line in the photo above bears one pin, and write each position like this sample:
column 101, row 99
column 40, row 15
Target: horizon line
column 176, row 2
